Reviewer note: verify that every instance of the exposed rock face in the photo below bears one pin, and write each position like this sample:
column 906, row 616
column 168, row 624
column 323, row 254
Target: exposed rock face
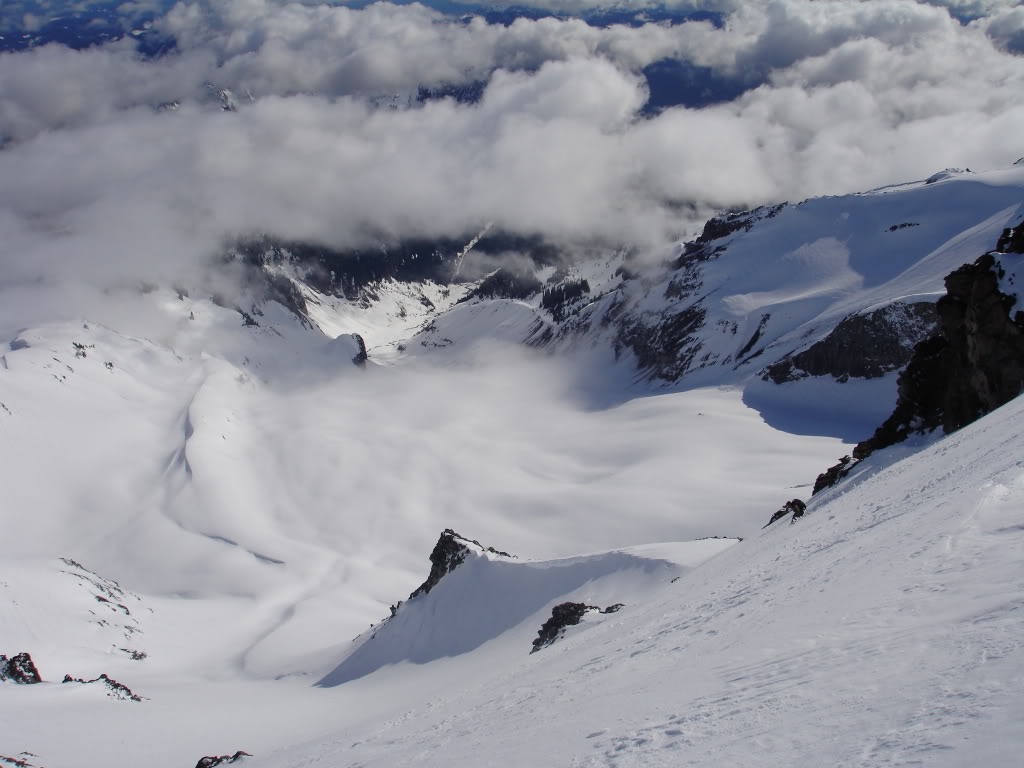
column 795, row 507
column 745, row 352
column 668, row 343
column 347, row 272
column 666, row 349
column 562, row 616
column 973, row 366
column 449, row 553
column 19, row 669
column 556, row 299
column 722, row 226
column 361, row 356
column 21, row 761
column 864, row 346
column 833, row 474
column 210, row 762
column 115, row 690
column 1012, row 239
column 352, row 273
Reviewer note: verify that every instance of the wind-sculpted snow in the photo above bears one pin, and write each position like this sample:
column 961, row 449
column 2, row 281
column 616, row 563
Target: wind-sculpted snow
column 247, row 500
column 485, row 597
column 883, row 628
column 770, row 285
column 258, row 500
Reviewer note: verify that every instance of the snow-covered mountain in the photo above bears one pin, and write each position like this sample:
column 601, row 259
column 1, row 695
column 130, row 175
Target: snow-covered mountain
column 225, row 507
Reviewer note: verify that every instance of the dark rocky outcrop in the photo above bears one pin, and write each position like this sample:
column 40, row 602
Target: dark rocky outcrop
column 719, row 227
column 984, row 360
column 864, row 346
column 974, row 365
column 21, row 761
column 346, row 272
column 722, row 226
column 754, row 338
column 794, row 507
column 353, row 272
column 565, row 615
column 833, row 474
column 210, row 762
column 361, row 356
column 19, row 669
column 667, row 349
column 115, row 690
column 1011, row 240
column 668, row 343
column 448, row 554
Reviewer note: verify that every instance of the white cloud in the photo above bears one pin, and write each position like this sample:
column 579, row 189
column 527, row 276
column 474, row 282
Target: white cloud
column 848, row 96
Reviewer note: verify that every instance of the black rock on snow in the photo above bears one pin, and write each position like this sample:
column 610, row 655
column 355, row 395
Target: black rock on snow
column 863, row 346
column 115, row 690
column 449, row 553
column 794, row 507
column 718, row 227
column 833, row 474
column 562, row 616
column 21, row 761
column 559, row 298
column 666, row 348
column 971, row 367
column 361, row 356
column 210, row 762
column 19, row 669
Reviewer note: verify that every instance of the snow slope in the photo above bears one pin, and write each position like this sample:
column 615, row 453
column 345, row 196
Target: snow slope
column 489, row 595
column 247, row 501
column 883, row 629
column 770, row 289
column 265, row 501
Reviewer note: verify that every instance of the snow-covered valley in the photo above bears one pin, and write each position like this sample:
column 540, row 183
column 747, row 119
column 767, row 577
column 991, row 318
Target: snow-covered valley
column 219, row 514
column 587, row 384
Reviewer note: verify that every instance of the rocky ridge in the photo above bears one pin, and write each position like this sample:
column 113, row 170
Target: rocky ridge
column 973, row 365
column 210, row 762
column 754, row 288
column 866, row 345
column 563, row 616
column 19, row 669
column 115, row 690
column 449, row 553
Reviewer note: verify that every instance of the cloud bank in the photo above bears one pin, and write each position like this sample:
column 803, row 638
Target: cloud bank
column 118, row 166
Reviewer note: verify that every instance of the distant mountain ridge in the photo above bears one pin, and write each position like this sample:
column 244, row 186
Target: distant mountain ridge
column 840, row 287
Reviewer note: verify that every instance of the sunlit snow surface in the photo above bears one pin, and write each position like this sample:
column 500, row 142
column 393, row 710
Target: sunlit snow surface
column 267, row 500
column 260, row 502
column 882, row 629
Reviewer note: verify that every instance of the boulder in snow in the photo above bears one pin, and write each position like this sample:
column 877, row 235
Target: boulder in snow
column 19, row 669
column 794, row 507
column 563, row 616
column 449, row 553
column 115, row 690
column 210, row 762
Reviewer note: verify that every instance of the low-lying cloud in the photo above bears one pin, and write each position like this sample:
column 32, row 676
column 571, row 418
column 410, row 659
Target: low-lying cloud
column 120, row 166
